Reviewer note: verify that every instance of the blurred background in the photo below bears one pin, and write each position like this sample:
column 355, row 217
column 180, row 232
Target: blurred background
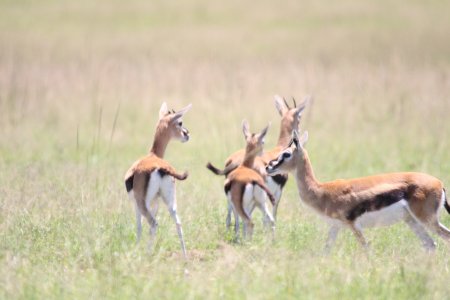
column 81, row 83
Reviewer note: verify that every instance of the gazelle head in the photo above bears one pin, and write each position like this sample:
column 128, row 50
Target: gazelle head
column 290, row 116
column 255, row 141
column 288, row 158
column 171, row 124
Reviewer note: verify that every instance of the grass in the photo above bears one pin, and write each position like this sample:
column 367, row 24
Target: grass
column 80, row 87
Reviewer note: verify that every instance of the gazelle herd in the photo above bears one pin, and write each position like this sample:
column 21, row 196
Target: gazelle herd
column 253, row 177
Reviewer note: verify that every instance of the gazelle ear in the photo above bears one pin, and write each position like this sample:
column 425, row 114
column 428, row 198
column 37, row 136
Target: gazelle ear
column 180, row 113
column 163, row 110
column 302, row 106
column 280, row 105
column 263, row 132
column 246, row 129
column 303, row 139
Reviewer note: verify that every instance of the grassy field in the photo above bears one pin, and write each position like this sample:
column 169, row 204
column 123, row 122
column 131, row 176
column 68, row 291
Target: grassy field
column 81, row 83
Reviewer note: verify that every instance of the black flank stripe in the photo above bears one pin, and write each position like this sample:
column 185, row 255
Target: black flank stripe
column 447, row 207
column 378, row 202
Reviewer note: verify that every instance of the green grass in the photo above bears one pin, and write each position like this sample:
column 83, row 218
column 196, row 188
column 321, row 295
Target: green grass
column 80, row 88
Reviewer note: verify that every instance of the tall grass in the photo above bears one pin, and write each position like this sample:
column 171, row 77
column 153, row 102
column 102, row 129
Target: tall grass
column 80, row 87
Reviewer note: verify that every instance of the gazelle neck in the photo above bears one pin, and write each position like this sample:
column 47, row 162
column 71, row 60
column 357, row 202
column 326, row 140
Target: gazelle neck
column 249, row 158
column 308, row 186
column 160, row 143
column 285, row 136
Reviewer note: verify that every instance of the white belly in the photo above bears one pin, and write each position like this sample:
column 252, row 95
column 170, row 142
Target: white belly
column 384, row 217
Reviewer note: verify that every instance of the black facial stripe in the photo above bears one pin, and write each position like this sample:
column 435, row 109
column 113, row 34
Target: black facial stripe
column 276, row 163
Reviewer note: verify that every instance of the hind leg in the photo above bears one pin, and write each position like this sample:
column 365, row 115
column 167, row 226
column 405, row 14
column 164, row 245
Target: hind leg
column 228, row 219
column 247, row 207
column 236, row 216
column 441, row 230
column 427, row 213
column 169, row 195
column 277, row 196
column 261, row 202
column 427, row 242
column 138, row 224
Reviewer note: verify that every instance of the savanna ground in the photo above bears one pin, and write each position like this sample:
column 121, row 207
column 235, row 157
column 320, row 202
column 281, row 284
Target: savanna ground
column 80, row 88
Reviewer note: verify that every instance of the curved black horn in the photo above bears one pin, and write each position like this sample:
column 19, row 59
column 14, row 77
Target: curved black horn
column 295, row 103
column 285, row 102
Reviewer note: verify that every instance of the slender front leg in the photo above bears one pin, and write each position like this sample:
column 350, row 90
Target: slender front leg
column 359, row 235
column 331, row 239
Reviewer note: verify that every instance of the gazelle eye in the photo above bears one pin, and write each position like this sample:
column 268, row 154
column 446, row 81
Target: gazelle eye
column 286, row 155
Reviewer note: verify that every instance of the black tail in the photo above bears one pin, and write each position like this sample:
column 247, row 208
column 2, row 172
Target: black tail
column 129, row 183
column 228, row 169
column 214, row 169
column 446, row 205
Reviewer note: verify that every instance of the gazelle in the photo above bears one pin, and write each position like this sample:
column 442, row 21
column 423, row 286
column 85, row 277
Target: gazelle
column 152, row 176
column 415, row 198
column 245, row 188
column 290, row 119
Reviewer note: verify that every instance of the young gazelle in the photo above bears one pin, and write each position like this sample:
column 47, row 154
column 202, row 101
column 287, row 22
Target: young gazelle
column 290, row 118
column 369, row 201
column 245, row 188
column 152, row 176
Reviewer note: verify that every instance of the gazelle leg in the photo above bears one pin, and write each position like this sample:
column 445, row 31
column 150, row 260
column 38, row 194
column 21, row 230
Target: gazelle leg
column 248, row 229
column 269, row 218
column 174, row 215
column 236, row 217
column 277, row 196
column 331, row 239
column 249, row 211
column 169, row 195
column 261, row 202
column 441, row 230
column 359, row 235
column 138, row 224
column 236, row 224
column 420, row 232
column 144, row 202
column 228, row 220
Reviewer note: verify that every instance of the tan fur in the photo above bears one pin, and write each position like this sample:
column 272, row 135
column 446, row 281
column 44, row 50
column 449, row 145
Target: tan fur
column 336, row 199
column 289, row 122
column 245, row 174
column 138, row 176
